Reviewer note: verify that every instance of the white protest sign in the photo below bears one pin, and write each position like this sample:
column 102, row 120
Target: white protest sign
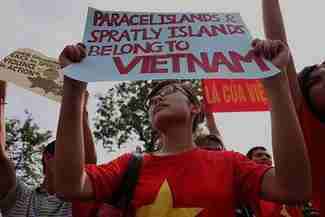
column 146, row 46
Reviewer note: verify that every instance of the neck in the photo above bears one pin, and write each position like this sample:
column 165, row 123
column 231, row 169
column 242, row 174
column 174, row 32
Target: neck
column 177, row 139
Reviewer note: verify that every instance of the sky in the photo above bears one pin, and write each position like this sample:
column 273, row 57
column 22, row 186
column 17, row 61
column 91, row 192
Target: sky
column 47, row 26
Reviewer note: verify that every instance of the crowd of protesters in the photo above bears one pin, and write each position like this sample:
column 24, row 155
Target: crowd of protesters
column 184, row 176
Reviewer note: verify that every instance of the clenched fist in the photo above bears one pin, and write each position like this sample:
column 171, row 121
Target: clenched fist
column 72, row 54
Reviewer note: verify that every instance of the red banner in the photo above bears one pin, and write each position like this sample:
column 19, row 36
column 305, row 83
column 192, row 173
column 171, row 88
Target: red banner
column 234, row 95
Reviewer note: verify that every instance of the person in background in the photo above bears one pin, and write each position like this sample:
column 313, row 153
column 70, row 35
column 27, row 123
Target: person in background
column 307, row 91
column 260, row 155
column 16, row 199
column 213, row 140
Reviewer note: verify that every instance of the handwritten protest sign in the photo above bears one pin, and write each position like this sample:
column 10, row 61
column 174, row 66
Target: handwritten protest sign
column 234, row 95
column 33, row 71
column 145, row 46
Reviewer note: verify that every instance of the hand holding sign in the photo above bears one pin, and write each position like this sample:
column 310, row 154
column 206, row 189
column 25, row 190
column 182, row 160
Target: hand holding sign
column 274, row 50
column 72, row 54
column 278, row 53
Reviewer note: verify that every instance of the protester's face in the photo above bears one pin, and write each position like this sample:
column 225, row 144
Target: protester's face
column 49, row 172
column 316, row 84
column 261, row 156
column 170, row 105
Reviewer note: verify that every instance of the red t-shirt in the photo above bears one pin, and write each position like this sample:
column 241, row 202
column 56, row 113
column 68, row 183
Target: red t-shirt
column 314, row 133
column 83, row 209
column 194, row 183
column 270, row 209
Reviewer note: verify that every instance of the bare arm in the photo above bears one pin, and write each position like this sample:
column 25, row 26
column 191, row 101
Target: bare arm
column 7, row 171
column 274, row 29
column 290, row 181
column 70, row 151
column 3, row 87
column 211, row 124
column 90, row 148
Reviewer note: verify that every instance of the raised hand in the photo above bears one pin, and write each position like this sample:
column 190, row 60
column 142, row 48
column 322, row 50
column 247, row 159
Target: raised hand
column 275, row 51
column 72, row 54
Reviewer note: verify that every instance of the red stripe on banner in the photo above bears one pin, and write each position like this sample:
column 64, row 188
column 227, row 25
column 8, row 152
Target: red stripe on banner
column 234, row 95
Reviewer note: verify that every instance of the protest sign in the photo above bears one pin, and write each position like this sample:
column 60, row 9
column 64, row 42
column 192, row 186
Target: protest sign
column 146, row 46
column 234, row 95
column 33, row 71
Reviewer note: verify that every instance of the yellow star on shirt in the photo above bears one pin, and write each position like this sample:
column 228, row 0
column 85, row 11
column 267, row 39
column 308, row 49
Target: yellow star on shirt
column 284, row 211
column 163, row 206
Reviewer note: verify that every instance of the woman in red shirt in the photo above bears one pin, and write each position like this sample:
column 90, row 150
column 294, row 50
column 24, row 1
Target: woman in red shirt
column 181, row 179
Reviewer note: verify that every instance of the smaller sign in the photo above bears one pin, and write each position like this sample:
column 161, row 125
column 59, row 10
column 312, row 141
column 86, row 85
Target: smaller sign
column 234, row 95
column 33, row 71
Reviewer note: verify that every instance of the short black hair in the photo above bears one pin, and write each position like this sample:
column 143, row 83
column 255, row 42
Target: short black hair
column 303, row 78
column 203, row 140
column 249, row 154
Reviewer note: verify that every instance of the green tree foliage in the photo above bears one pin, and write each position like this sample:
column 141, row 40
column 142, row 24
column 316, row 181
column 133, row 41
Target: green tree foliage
column 25, row 142
column 121, row 116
